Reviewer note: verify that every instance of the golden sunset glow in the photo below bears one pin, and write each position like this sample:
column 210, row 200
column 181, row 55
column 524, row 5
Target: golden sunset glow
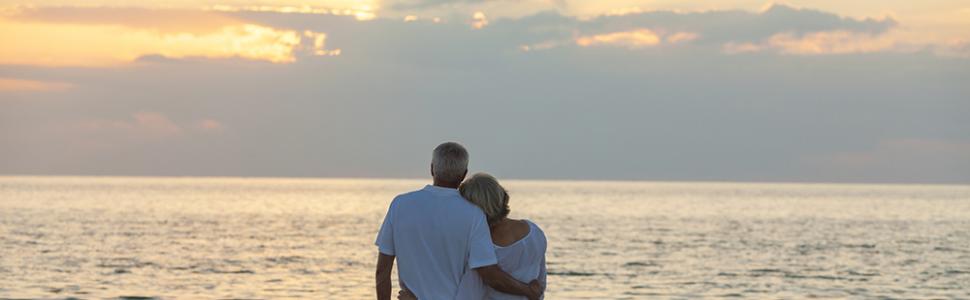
column 363, row 13
column 634, row 39
column 83, row 42
column 105, row 45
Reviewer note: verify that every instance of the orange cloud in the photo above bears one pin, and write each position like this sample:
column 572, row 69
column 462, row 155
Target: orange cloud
column 172, row 21
column 632, row 39
column 95, row 38
column 320, row 43
column 362, row 9
column 737, row 48
column 681, row 37
column 637, row 38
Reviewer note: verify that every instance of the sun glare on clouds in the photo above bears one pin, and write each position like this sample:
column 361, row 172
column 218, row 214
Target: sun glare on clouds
column 89, row 43
column 638, row 38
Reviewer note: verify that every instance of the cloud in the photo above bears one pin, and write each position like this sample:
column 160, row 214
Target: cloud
column 632, row 39
column 89, row 37
column 112, row 36
column 337, row 7
column 720, row 26
column 681, row 37
column 782, row 28
column 685, row 112
column 24, row 85
column 211, row 126
column 172, row 21
column 820, row 43
column 479, row 20
column 423, row 4
column 141, row 125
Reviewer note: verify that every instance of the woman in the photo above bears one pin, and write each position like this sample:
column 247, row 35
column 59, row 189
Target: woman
column 519, row 244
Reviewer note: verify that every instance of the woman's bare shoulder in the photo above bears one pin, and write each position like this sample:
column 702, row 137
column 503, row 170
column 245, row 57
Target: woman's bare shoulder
column 510, row 232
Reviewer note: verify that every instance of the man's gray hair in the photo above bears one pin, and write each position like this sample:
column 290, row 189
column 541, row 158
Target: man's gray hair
column 450, row 162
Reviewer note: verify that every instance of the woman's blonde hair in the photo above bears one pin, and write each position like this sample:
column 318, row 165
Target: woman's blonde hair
column 484, row 191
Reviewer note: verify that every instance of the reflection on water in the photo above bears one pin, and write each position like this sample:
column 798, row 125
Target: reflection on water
column 307, row 238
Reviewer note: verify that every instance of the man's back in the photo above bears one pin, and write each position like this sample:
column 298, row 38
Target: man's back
column 436, row 236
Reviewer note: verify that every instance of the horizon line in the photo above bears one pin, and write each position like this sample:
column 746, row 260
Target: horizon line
column 297, row 177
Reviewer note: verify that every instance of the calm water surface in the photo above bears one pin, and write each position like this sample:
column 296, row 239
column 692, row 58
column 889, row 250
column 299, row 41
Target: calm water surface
column 78, row 237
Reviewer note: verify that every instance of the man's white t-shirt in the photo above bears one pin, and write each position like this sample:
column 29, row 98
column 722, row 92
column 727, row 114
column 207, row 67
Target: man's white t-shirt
column 437, row 236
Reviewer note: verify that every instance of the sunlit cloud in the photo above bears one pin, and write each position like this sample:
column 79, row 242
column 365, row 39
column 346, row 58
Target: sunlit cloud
column 23, row 85
column 637, row 38
column 681, row 37
column 160, row 20
column 58, row 38
column 360, row 9
column 540, row 46
column 362, row 13
column 479, row 20
column 319, row 44
column 741, row 47
column 821, row 43
column 632, row 39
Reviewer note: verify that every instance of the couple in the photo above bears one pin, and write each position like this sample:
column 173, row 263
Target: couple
column 453, row 240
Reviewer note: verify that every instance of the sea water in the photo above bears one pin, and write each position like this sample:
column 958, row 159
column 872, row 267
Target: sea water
column 201, row 238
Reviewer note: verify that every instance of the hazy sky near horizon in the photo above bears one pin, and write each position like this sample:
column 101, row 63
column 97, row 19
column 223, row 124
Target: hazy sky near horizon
column 831, row 91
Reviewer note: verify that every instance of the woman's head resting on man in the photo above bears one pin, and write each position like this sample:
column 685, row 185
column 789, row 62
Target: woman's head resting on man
column 484, row 191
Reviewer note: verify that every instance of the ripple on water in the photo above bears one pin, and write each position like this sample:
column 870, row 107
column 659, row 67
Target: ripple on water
column 571, row 273
column 641, row 264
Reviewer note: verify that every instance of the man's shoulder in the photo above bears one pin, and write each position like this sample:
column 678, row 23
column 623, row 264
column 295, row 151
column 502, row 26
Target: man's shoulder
column 455, row 204
column 410, row 198
column 412, row 194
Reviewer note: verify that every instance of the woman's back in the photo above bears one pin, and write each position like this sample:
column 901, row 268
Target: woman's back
column 524, row 259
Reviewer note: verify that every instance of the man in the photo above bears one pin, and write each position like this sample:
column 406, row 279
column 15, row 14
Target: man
column 437, row 236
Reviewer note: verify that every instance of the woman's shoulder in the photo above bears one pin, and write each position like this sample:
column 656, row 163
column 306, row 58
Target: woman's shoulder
column 510, row 232
column 532, row 225
column 535, row 232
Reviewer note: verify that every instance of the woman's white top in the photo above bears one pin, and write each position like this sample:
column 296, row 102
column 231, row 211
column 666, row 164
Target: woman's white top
column 525, row 260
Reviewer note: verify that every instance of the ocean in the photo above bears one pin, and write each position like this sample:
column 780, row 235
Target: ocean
column 267, row 238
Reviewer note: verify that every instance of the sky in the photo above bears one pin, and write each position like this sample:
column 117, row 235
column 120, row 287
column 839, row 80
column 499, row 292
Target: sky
column 874, row 91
